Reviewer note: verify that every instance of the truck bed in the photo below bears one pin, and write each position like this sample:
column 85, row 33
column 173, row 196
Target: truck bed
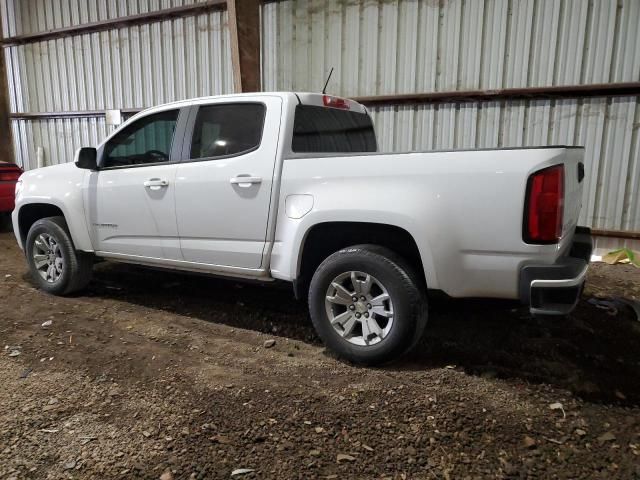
column 464, row 208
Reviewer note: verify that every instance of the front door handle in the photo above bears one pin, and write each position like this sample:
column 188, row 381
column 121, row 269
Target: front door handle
column 245, row 180
column 155, row 184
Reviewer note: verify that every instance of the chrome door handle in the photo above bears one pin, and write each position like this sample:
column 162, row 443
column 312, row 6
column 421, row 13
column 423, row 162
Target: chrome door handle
column 155, row 184
column 245, row 181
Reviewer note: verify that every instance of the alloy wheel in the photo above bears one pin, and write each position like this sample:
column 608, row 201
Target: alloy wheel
column 48, row 258
column 359, row 308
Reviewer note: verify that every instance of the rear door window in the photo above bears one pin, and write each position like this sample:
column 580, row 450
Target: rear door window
column 227, row 129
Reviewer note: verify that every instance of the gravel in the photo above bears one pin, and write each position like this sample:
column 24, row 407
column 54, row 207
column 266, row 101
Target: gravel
column 133, row 380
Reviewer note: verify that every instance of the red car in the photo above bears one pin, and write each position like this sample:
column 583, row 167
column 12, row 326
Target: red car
column 9, row 174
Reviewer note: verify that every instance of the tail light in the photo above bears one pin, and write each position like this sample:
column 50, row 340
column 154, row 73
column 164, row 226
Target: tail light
column 544, row 206
column 335, row 102
column 9, row 175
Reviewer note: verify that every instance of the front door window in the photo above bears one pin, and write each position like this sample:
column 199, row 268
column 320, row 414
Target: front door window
column 146, row 141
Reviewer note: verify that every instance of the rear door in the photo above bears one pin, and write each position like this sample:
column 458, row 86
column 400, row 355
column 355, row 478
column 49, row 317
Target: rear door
column 223, row 184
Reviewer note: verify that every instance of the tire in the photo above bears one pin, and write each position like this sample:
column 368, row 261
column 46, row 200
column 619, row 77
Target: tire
column 387, row 274
column 72, row 269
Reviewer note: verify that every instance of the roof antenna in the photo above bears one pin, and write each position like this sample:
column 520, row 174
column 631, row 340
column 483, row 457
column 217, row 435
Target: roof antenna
column 324, row 90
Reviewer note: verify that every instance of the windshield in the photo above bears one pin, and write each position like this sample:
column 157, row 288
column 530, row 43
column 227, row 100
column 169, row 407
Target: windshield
column 330, row 130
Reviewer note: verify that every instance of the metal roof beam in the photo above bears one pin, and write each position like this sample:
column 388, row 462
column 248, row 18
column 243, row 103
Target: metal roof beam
column 142, row 18
column 559, row 92
column 564, row 91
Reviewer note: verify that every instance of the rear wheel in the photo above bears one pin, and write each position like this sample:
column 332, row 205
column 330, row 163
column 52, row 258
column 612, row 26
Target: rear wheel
column 54, row 263
column 366, row 304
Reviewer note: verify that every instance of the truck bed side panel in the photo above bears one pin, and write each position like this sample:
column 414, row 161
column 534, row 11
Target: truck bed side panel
column 464, row 210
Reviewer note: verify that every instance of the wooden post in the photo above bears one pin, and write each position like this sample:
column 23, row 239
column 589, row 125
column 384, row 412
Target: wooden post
column 244, row 28
column 6, row 144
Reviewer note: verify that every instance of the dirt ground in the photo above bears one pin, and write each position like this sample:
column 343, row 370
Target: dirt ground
column 151, row 374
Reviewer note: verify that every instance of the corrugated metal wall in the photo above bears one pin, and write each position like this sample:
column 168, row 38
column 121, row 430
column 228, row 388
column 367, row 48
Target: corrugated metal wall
column 406, row 46
column 409, row 46
column 133, row 67
column 59, row 138
column 22, row 17
column 608, row 128
column 376, row 47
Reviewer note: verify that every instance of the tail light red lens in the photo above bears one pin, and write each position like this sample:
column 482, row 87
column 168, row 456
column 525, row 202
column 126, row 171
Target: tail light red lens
column 10, row 176
column 335, row 102
column 544, row 206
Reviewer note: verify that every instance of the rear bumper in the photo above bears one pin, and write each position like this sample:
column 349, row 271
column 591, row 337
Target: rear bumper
column 555, row 289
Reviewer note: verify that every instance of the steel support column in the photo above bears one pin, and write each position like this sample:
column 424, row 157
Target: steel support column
column 6, row 143
column 244, row 28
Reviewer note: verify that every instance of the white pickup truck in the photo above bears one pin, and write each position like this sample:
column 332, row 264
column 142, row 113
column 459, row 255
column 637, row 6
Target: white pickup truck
column 291, row 187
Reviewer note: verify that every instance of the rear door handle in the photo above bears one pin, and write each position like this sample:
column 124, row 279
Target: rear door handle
column 245, row 180
column 155, row 184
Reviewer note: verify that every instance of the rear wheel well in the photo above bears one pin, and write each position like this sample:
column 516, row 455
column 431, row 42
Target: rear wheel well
column 327, row 238
column 31, row 213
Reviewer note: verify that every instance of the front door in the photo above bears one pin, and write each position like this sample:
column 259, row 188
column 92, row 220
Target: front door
column 223, row 184
column 132, row 196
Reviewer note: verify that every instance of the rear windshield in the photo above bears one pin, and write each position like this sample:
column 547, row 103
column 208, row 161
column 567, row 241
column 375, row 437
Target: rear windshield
column 326, row 130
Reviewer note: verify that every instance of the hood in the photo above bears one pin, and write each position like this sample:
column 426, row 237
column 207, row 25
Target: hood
column 54, row 178
column 61, row 169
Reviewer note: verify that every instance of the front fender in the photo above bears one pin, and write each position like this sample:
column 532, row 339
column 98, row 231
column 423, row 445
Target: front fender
column 60, row 186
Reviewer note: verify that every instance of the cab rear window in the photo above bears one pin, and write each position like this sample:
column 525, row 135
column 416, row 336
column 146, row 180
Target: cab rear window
column 330, row 130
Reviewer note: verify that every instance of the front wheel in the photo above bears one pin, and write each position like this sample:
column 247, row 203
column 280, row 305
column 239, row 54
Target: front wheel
column 366, row 305
column 54, row 263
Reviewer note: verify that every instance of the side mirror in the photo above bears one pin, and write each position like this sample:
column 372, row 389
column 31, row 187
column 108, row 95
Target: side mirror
column 86, row 157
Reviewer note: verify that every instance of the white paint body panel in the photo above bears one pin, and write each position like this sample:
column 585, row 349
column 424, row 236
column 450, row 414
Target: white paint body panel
column 464, row 209
column 221, row 223
column 125, row 217
column 62, row 186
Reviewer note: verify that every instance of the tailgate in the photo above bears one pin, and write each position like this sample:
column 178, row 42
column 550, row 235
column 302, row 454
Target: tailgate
column 573, row 160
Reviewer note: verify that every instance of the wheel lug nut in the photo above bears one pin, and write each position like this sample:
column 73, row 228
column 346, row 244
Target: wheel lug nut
column 358, row 315
column 363, row 298
column 366, row 314
column 355, row 299
column 369, row 306
column 352, row 307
